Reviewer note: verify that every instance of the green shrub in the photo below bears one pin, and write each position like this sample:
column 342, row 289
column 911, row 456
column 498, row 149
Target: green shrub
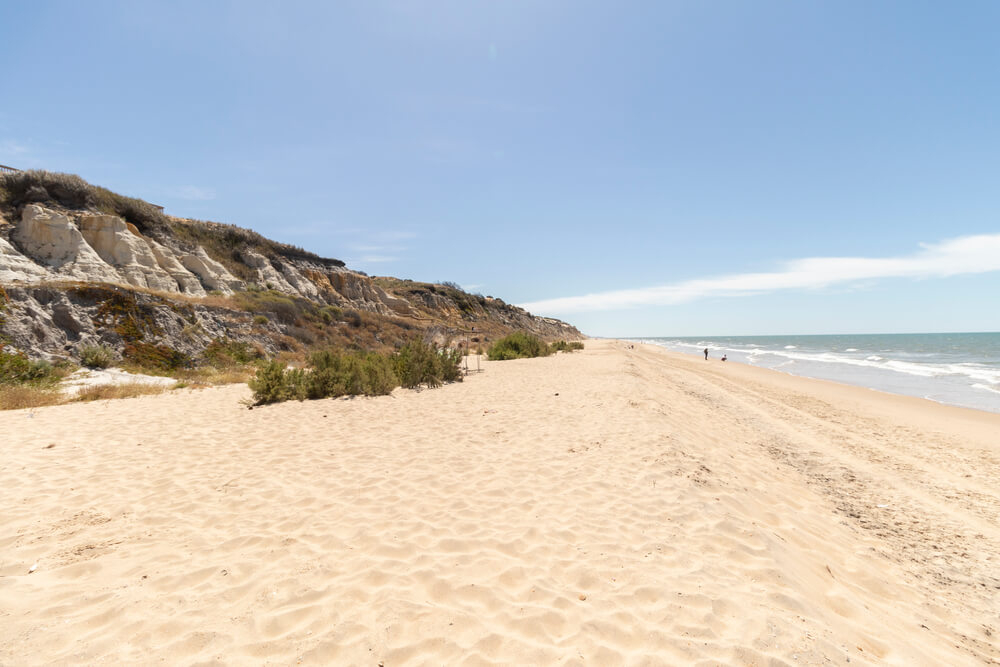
column 518, row 345
column 330, row 314
column 274, row 383
column 380, row 374
column 420, row 363
column 15, row 369
column 351, row 373
column 156, row 357
column 563, row 346
column 334, row 373
column 227, row 353
column 286, row 309
column 96, row 356
column 260, row 319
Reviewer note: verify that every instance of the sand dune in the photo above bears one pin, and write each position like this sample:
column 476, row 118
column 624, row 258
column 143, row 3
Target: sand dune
column 615, row 506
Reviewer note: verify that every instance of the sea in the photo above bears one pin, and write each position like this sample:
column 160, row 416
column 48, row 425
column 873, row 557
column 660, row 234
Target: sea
column 960, row 369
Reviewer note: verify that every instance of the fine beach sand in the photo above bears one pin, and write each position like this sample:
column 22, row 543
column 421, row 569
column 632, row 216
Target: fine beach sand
column 604, row 507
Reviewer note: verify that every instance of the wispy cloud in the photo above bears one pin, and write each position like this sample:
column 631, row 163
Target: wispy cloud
column 963, row 255
column 195, row 193
column 12, row 147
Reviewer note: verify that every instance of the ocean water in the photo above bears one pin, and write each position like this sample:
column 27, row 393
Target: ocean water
column 953, row 368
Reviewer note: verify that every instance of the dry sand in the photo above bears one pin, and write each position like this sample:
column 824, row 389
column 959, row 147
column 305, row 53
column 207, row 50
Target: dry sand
column 611, row 506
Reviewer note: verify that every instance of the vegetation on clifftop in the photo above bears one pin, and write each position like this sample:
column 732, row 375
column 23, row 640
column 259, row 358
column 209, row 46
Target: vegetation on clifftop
column 222, row 242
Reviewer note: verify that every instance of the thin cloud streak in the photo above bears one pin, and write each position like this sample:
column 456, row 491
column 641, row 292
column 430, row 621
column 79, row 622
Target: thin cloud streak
column 962, row 255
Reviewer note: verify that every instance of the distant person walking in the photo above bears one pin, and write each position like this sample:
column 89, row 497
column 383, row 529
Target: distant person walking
column 706, row 354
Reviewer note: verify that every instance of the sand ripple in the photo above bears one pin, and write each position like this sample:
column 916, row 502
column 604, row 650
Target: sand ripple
column 611, row 507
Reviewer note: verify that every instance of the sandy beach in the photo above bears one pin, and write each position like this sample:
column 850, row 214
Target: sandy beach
column 612, row 506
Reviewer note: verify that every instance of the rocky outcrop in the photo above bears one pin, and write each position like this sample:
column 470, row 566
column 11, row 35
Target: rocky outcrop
column 91, row 247
column 126, row 251
column 16, row 267
column 187, row 282
column 80, row 277
column 54, row 241
column 213, row 275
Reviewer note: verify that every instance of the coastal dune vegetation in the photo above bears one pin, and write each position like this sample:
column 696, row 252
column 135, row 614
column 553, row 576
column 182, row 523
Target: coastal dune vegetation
column 523, row 345
column 332, row 373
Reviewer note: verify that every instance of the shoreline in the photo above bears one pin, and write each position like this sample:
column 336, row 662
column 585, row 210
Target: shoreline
column 875, row 391
column 972, row 400
column 609, row 505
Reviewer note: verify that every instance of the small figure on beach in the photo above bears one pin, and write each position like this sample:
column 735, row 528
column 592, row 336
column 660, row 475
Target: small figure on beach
column 706, row 354
column 723, row 357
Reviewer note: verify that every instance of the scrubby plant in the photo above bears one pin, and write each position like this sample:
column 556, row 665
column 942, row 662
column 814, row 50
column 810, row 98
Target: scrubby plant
column 518, row 345
column 20, row 396
column 96, row 356
column 260, row 319
column 71, row 191
column 336, row 372
column 420, row 363
column 274, row 383
column 151, row 357
column 105, row 392
column 226, row 353
column 16, row 368
column 563, row 346
column 339, row 373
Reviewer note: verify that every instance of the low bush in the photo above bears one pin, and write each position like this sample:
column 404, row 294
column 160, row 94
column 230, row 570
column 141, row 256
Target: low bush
column 274, row 383
column 518, row 345
column 224, row 353
column 563, row 346
column 96, row 356
column 420, row 363
column 351, row 373
column 147, row 356
column 334, row 373
column 15, row 368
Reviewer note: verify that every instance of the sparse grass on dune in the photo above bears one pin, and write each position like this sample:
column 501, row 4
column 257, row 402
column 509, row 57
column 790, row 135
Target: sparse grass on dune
column 111, row 391
column 18, row 397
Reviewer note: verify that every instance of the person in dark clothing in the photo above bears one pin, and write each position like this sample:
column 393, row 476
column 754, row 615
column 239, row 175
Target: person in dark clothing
column 706, row 354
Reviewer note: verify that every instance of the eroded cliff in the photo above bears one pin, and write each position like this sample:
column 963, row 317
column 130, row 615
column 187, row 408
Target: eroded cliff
column 83, row 266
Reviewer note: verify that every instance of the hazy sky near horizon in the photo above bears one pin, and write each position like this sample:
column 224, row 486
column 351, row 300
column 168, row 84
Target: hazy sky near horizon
column 636, row 168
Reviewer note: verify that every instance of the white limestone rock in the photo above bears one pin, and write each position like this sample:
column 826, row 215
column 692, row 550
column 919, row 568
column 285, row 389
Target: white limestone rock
column 129, row 253
column 15, row 267
column 186, row 281
column 266, row 273
column 213, row 275
column 51, row 238
column 299, row 282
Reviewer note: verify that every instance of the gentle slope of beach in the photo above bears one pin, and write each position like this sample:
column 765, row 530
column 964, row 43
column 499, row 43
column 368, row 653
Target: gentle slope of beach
column 611, row 506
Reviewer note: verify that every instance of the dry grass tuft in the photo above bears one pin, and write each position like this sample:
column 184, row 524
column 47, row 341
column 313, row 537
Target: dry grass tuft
column 20, row 396
column 111, row 391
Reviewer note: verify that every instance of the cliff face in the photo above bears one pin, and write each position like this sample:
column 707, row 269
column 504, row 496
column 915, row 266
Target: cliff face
column 73, row 277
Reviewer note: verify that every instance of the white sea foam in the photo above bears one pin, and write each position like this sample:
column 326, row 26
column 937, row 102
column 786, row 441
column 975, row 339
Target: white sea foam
column 851, row 349
column 791, row 347
column 995, row 390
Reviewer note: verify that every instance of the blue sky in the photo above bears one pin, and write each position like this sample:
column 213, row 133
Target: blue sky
column 636, row 168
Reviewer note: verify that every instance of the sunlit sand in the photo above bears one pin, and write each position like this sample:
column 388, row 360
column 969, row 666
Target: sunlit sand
column 609, row 506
